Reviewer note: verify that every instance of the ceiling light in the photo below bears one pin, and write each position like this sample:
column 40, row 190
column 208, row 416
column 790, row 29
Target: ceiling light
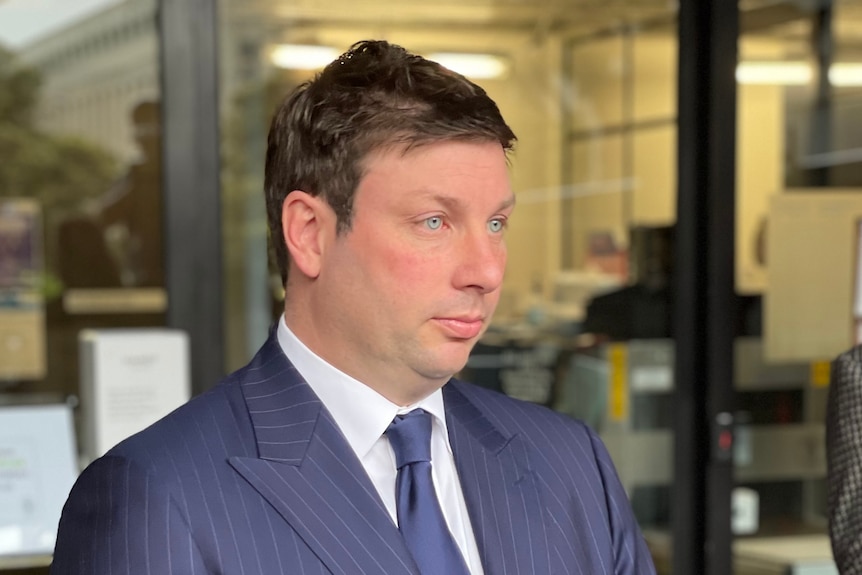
column 478, row 66
column 303, row 56
column 774, row 73
column 845, row 74
column 841, row 74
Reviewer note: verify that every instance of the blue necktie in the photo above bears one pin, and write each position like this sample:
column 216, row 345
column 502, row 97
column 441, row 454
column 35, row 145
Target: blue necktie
column 420, row 518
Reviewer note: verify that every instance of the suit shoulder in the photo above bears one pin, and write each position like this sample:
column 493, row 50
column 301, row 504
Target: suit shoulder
column 847, row 368
column 851, row 356
column 534, row 421
column 562, row 449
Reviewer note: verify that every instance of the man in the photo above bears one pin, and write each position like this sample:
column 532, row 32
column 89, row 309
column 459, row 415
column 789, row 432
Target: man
column 388, row 196
column 844, row 459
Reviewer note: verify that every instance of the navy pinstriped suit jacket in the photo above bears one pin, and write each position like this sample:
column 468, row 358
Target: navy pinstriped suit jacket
column 254, row 477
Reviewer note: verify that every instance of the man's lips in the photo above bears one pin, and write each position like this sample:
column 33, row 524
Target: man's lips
column 466, row 327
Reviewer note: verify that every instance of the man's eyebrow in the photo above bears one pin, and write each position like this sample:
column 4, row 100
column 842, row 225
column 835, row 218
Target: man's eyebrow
column 507, row 203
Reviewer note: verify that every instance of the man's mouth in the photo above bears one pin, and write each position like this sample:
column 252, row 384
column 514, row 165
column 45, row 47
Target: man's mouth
column 461, row 327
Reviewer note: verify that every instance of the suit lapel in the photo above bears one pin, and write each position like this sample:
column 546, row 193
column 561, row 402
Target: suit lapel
column 500, row 489
column 309, row 474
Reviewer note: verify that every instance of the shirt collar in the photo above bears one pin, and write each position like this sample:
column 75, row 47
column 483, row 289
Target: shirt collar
column 360, row 412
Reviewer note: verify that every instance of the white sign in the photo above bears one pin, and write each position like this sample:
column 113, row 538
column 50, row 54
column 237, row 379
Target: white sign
column 652, row 378
column 37, row 471
column 745, row 511
column 130, row 378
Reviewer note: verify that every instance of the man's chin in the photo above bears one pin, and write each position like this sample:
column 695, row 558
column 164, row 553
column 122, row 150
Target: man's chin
column 442, row 358
column 448, row 367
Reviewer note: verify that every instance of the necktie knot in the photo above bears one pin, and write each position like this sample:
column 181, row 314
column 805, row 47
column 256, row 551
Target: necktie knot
column 410, row 437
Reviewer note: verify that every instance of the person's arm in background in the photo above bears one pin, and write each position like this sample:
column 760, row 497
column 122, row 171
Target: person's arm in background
column 844, row 460
column 120, row 520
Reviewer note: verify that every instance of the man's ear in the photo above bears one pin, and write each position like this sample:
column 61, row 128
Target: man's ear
column 304, row 221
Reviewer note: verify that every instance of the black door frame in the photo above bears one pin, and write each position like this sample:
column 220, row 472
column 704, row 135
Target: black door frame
column 190, row 119
column 705, row 303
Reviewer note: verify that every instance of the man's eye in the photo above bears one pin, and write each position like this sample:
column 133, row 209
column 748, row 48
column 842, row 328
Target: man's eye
column 496, row 225
column 434, row 222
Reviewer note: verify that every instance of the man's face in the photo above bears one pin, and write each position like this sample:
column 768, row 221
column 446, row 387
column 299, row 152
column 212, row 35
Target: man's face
column 404, row 295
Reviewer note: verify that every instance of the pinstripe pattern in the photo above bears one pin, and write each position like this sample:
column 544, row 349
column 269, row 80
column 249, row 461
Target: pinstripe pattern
column 844, row 458
column 542, row 492
column 254, row 477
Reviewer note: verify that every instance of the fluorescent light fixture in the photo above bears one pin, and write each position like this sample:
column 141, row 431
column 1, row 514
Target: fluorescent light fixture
column 845, row 74
column 774, row 73
column 303, row 56
column 478, row 66
column 841, row 74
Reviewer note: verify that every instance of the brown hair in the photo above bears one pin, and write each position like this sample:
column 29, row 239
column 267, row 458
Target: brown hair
column 373, row 96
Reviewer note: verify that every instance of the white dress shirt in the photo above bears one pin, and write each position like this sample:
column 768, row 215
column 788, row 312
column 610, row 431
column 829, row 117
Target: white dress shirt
column 363, row 415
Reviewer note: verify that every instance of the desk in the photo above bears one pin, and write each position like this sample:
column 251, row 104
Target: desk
column 785, row 555
column 793, row 555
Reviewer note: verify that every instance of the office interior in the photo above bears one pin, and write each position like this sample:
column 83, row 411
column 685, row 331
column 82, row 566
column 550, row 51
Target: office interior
column 695, row 153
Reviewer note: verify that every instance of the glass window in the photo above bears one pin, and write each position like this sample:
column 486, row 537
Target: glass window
column 81, row 243
column 798, row 207
column 591, row 94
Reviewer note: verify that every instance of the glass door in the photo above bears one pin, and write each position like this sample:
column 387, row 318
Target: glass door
column 583, row 322
column 799, row 174
column 81, row 240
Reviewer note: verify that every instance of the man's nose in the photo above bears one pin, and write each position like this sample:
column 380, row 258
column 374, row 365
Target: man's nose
column 481, row 263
